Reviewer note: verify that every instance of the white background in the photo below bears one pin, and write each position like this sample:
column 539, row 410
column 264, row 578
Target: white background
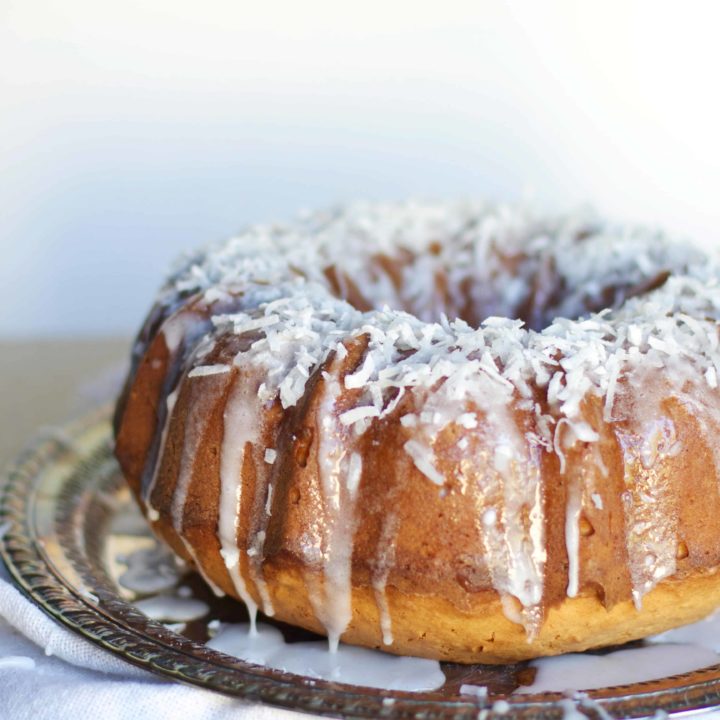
column 132, row 130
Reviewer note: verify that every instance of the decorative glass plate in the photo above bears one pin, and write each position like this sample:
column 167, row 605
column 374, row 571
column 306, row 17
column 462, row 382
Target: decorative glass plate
column 66, row 514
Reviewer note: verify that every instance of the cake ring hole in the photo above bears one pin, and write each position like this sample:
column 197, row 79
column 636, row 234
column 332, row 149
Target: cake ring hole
column 543, row 293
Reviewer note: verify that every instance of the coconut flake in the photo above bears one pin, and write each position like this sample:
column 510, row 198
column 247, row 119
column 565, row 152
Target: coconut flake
column 468, row 420
column 359, row 413
column 360, row 378
column 711, row 377
column 204, row 370
column 423, row 458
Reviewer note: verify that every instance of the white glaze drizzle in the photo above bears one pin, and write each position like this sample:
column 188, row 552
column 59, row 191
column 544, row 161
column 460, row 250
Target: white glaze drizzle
column 572, row 535
column 170, row 406
column 175, row 331
column 171, row 608
column 241, row 423
column 331, row 599
column 621, row 667
column 587, row 474
column 149, row 570
column 352, row 665
column 196, row 423
column 384, row 562
column 648, row 438
column 203, row 370
column 287, row 301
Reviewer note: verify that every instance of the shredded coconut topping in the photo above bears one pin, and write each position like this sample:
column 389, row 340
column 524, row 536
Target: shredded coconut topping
column 303, row 285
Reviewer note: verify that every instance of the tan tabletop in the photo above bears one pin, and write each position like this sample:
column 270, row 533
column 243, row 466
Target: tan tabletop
column 45, row 383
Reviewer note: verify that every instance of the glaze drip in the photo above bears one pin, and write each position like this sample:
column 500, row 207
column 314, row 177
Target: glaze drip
column 339, row 475
column 196, row 424
column 241, row 424
column 384, row 562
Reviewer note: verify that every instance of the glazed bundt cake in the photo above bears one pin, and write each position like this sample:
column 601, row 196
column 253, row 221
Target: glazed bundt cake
column 445, row 430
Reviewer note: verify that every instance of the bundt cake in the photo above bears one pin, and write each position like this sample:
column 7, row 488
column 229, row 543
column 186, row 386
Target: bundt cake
column 447, row 430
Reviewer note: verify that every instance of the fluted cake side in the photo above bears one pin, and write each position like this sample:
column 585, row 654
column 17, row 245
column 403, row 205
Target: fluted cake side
column 447, row 430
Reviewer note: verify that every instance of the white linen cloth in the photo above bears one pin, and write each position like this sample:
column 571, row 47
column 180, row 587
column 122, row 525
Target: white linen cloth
column 73, row 679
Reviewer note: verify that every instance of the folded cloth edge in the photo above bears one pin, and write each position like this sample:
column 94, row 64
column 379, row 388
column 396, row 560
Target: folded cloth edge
column 33, row 623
